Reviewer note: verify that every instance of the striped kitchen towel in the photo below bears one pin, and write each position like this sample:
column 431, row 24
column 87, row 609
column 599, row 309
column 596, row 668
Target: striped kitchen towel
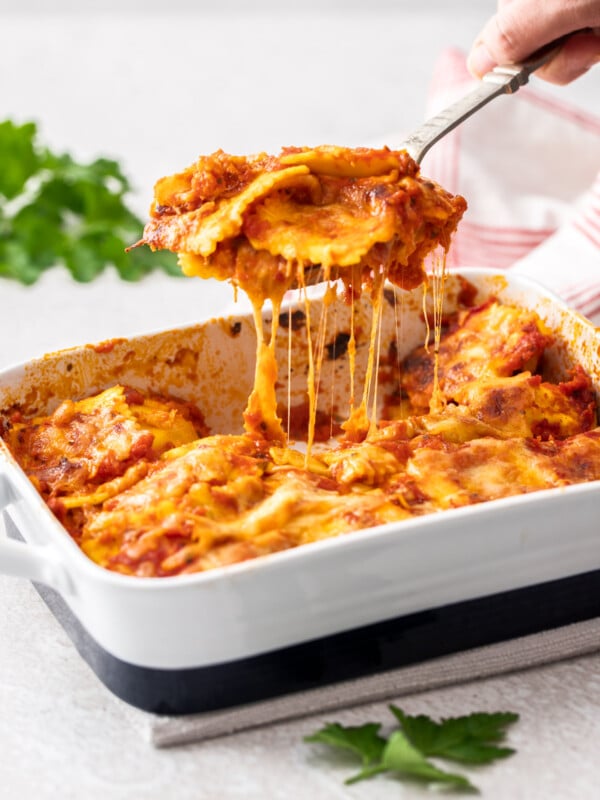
column 529, row 166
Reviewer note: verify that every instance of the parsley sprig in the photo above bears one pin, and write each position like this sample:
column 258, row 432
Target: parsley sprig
column 54, row 210
column 472, row 739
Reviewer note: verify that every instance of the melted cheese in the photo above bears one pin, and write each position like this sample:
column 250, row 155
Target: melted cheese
column 492, row 340
column 363, row 215
column 207, row 501
column 87, row 444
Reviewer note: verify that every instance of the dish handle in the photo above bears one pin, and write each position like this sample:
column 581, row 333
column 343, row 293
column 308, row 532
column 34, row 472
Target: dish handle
column 24, row 560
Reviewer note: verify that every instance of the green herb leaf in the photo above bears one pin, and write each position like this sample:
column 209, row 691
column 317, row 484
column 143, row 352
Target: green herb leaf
column 364, row 741
column 55, row 211
column 15, row 263
column 19, row 159
column 400, row 755
column 469, row 739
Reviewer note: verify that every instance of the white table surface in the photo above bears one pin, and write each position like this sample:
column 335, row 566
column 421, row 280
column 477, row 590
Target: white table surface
column 156, row 91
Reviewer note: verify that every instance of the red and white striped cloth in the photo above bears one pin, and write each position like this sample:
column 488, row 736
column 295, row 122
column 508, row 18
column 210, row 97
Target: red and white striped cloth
column 529, row 167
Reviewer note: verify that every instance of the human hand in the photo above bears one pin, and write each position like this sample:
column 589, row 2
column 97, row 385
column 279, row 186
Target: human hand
column 520, row 27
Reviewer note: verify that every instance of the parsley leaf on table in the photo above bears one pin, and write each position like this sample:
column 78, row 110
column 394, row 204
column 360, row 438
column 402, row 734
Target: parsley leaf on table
column 470, row 739
column 400, row 755
column 466, row 739
column 364, row 741
column 54, row 211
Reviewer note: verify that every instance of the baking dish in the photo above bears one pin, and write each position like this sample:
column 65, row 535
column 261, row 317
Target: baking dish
column 370, row 600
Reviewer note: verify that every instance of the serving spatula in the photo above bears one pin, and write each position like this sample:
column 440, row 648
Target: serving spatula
column 504, row 79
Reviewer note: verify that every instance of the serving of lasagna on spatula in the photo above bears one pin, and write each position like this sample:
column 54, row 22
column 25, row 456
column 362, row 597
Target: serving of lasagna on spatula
column 266, row 223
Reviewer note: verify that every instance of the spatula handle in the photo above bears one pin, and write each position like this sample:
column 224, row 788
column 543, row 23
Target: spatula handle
column 505, row 79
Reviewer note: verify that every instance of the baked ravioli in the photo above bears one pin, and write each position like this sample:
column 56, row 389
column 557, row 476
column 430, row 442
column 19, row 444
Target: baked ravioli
column 262, row 221
column 270, row 223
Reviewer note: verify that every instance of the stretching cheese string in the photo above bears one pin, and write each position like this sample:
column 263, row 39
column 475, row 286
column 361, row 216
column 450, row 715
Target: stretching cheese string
column 438, row 283
column 261, row 413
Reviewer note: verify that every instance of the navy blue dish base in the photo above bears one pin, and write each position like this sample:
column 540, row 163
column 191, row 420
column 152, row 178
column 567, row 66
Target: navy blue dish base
column 342, row 656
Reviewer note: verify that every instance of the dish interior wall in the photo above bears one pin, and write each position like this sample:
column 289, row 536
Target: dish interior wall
column 212, row 363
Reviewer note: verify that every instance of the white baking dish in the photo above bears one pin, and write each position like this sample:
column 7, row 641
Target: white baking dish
column 222, row 626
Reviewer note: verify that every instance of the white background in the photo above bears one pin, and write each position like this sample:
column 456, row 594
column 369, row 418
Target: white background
column 155, row 88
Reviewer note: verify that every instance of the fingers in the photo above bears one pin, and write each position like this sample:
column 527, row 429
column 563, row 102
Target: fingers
column 579, row 53
column 523, row 26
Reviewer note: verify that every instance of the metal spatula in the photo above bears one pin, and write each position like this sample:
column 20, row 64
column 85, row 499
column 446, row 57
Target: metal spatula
column 501, row 80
